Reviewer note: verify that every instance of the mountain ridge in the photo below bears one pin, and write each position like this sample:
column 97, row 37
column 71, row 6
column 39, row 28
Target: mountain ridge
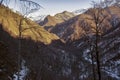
column 79, row 25
column 30, row 29
column 51, row 21
column 55, row 60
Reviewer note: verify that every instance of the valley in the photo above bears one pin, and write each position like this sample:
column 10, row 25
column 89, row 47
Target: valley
column 65, row 46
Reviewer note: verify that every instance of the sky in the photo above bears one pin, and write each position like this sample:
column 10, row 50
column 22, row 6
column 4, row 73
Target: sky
column 56, row 6
column 52, row 7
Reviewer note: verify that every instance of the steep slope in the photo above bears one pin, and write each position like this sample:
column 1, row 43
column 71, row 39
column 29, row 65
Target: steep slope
column 56, row 60
column 109, row 51
column 64, row 16
column 50, row 21
column 77, row 27
column 30, row 47
column 11, row 22
column 83, row 24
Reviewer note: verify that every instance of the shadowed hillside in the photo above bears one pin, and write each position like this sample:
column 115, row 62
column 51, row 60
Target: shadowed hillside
column 57, row 60
column 40, row 55
column 78, row 26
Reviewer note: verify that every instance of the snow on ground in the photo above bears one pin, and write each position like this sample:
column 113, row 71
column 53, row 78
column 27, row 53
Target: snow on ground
column 66, row 71
column 23, row 72
column 83, row 76
column 113, row 70
column 113, row 75
column 117, row 62
column 80, row 44
column 0, row 70
column 87, row 56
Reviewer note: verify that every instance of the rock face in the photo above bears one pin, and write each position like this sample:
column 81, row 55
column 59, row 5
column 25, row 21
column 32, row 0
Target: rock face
column 45, row 57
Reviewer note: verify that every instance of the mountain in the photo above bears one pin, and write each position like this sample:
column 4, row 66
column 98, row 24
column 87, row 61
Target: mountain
column 15, row 51
column 30, row 29
column 40, row 55
column 109, row 53
column 78, row 32
column 50, row 21
column 64, row 16
column 75, row 28
column 83, row 24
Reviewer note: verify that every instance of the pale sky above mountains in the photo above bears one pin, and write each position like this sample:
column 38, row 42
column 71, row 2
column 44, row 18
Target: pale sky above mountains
column 56, row 6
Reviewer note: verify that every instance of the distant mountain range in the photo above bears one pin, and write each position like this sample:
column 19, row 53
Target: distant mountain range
column 63, row 16
column 76, row 26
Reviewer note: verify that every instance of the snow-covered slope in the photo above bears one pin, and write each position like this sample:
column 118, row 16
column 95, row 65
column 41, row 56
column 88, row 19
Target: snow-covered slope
column 79, row 11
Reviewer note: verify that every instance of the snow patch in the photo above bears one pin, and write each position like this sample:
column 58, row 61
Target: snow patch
column 83, row 76
column 87, row 56
column 114, row 75
column 0, row 70
column 66, row 71
column 23, row 72
column 62, row 51
column 117, row 62
column 80, row 44
column 114, row 70
column 86, row 51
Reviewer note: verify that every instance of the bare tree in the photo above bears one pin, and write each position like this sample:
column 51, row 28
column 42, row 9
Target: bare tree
column 89, row 40
column 107, row 3
column 4, row 2
column 1, row 2
column 27, row 7
column 98, row 17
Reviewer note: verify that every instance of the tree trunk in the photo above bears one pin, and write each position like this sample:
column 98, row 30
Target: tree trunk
column 19, row 48
column 97, row 55
column 93, row 68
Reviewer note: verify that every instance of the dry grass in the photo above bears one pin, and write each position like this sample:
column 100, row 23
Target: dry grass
column 11, row 21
